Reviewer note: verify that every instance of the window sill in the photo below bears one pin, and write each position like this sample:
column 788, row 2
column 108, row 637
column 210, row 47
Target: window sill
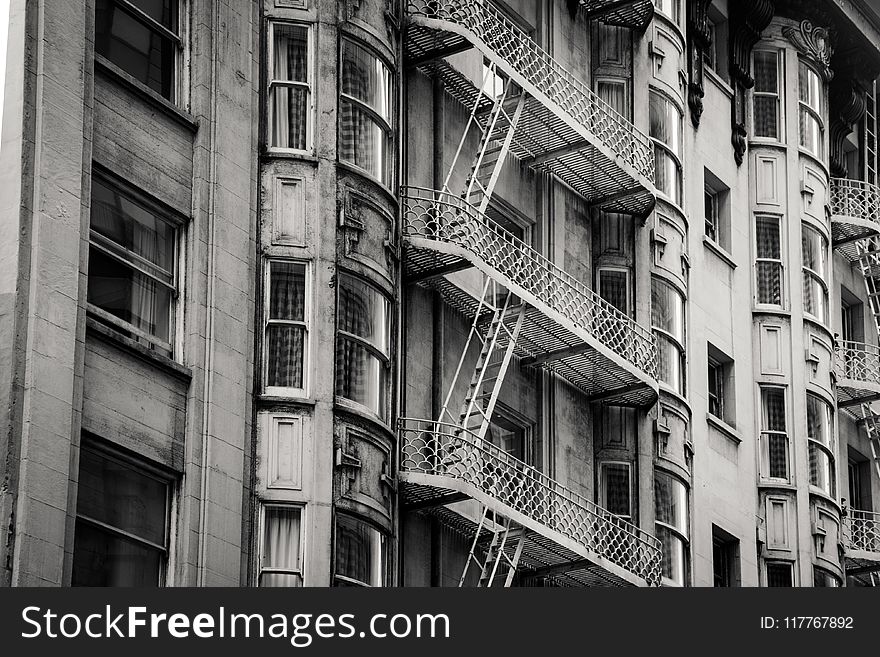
column 719, row 251
column 718, row 81
column 729, row 432
column 363, row 173
column 825, row 497
column 778, row 485
column 138, row 88
column 362, row 412
column 267, row 399
column 290, row 155
column 151, row 357
column 771, row 310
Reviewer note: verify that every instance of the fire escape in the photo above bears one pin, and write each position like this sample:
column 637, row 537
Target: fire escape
column 530, row 311
column 855, row 227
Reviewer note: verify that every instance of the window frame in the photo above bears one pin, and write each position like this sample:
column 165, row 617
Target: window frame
column 679, row 344
column 778, row 564
column 385, row 360
column 682, row 533
column 627, row 283
column 777, row 95
column 716, row 372
column 779, row 262
column 811, row 275
column 678, row 199
column 676, row 6
column 177, row 223
column 765, row 435
column 813, row 112
column 386, row 126
column 618, row 82
column 829, row 450
column 384, row 555
column 713, row 223
column 178, row 97
column 272, row 83
column 143, row 468
column 283, row 391
column 261, row 552
column 603, row 491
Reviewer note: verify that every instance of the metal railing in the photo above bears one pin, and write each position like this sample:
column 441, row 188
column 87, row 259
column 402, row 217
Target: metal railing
column 448, row 451
column 861, row 531
column 562, row 92
column 855, row 199
column 443, row 217
column 858, row 361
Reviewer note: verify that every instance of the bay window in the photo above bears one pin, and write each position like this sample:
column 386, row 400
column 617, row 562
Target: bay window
column 668, row 321
column 814, row 246
column 281, row 547
column 287, row 328
column 768, row 260
column 812, row 131
column 363, row 345
column 142, row 38
column 671, row 511
column 361, row 553
column 766, row 95
column 132, row 265
column 365, row 112
column 122, row 515
column 290, row 87
column 665, row 130
column 820, row 436
column 774, row 434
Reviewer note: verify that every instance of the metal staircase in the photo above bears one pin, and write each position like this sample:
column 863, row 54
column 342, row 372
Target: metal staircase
column 502, row 556
column 868, row 252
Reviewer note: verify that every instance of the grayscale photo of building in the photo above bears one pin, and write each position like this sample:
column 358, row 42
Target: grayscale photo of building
column 440, row 293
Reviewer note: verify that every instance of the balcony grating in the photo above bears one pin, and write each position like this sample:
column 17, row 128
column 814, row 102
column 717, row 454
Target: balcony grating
column 565, row 128
column 567, row 328
column 634, row 14
column 857, row 366
column 855, row 214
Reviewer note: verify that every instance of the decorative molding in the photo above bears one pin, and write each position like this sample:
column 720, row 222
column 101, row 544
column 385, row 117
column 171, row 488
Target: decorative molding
column 748, row 19
column 699, row 42
column 813, row 42
column 848, row 105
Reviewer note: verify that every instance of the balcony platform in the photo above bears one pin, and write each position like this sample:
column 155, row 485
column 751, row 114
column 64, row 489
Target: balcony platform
column 565, row 128
column 567, row 538
column 635, row 14
column 855, row 214
column 857, row 366
column 567, row 328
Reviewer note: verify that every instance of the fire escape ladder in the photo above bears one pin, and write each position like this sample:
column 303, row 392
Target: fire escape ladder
column 498, row 560
column 869, row 262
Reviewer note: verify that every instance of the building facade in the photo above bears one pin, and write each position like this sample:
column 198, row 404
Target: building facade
column 440, row 293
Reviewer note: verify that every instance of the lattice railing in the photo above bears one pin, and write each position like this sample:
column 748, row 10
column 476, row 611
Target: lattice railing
column 858, row 362
column 443, row 217
column 445, row 450
column 861, row 530
column 855, row 198
column 562, row 91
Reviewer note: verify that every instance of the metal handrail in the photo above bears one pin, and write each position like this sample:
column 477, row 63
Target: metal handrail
column 447, row 450
column 861, row 530
column 444, row 217
column 858, row 361
column 855, row 199
column 562, row 92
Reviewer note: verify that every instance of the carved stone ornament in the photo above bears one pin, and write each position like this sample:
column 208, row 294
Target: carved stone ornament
column 815, row 43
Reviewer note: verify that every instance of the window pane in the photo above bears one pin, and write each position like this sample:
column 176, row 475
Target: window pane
column 670, row 496
column 130, row 44
column 776, row 466
column 163, row 12
column 811, row 133
column 101, row 558
column 815, row 298
column 287, row 291
column 365, row 77
column 614, row 93
column 290, row 50
column 363, row 142
column 285, row 352
column 773, row 403
column 814, row 247
column 281, row 538
column 674, row 555
column 129, row 295
column 361, row 376
column 824, row 578
column 365, row 312
column 360, row 551
column 613, row 288
column 769, row 283
column 616, row 488
column 809, row 87
column 667, row 175
column 118, row 495
column 768, row 237
column 288, row 116
column 766, row 72
column 671, row 8
column 665, row 122
column 667, row 309
column 820, row 420
column 822, row 470
column 670, row 365
column 767, row 116
column 779, row 574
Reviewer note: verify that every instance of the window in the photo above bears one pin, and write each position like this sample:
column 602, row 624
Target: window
column 768, row 262
column 852, row 318
column 361, row 553
column 725, row 558
column 672, row 9
column 716, row 53
column 363, row 345
column 667, row 319
column 281, row 547
column 132, row 265
column 614, row 92
column 710, row 213
column 365, row 111
column 122, row 512
column 510, row 435
column 812, row 131
column 614, row 287
column 820, row 434
column 774, row 434
column 141, row 37
column 615, row 489
column 814, row 247
column 779, row 574
column 290, row 87
column 665, row 129
column 287, row 329
column 822, row 577
column 716, row 210
column 721, row 388
column 671, row 512
column 766, row 94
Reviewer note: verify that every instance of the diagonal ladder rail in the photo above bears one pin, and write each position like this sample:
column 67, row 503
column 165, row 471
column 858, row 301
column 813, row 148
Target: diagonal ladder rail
column 868, row 251
column 503, row 530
